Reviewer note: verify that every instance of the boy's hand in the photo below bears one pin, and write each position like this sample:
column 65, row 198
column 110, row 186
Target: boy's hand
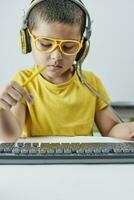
column 12, row 94
column 132, row 136
column 131, row 130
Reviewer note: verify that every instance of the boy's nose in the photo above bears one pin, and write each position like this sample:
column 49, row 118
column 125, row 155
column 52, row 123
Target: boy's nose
column 56, row 54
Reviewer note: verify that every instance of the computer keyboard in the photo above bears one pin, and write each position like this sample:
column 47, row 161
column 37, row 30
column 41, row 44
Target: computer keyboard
column 66, row 153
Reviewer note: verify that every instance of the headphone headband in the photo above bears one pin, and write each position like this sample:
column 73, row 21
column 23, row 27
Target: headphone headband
column 87, row 32
column 25, row 40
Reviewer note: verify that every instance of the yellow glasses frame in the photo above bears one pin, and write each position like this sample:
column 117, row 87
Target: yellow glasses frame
column 57, row 42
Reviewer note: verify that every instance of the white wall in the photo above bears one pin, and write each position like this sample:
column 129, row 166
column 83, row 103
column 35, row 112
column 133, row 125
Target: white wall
column 11, row 59
column 112, row 44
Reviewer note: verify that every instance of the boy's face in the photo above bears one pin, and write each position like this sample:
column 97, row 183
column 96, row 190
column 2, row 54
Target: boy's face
column 59, row 64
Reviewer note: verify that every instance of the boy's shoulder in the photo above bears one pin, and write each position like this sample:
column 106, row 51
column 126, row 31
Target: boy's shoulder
column 22, row 75
column 26, row 72
column 90, row 76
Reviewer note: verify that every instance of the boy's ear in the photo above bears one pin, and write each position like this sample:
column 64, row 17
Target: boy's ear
column 25, row 42
column 83, row 51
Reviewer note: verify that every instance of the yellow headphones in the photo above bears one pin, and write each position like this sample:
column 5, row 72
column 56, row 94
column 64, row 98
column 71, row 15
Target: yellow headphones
column 25, row 38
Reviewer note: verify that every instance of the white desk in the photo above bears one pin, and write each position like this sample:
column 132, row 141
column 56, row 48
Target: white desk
column 67, row 182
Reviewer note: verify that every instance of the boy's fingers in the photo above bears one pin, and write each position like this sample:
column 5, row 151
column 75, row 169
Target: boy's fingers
column 4, row 105
column 15, row 94
column 9, row 100
column 21, row 90
column 132, row 136
column 31, row 98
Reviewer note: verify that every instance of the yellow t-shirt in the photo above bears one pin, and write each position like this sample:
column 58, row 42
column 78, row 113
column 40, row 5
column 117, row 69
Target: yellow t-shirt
column 67, row 109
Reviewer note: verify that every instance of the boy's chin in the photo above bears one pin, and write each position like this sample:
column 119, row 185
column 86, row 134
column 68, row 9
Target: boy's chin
column 52, row 74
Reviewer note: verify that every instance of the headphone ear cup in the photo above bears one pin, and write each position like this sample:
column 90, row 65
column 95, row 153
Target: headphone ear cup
column 83, row 51
column 25, row 43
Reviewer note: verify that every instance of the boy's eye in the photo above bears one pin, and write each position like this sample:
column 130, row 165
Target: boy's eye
column 42, row 44
column 69, row 47
column 45, row 45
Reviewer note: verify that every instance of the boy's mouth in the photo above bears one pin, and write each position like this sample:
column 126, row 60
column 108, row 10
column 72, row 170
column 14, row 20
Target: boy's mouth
column 55, row 67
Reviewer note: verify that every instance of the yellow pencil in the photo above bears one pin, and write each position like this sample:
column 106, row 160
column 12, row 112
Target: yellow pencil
column 33, row 76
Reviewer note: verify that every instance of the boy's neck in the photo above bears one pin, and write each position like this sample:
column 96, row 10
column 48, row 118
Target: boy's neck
column 59, row 80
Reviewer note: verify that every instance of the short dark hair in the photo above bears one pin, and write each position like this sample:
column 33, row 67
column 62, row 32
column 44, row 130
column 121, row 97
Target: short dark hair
column 64, row 11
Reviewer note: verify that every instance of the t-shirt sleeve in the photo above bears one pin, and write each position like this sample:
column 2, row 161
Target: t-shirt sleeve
column 100, row 104
column 18, row 78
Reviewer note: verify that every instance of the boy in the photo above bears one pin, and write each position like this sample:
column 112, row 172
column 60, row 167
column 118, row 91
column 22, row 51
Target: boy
column 56, row 101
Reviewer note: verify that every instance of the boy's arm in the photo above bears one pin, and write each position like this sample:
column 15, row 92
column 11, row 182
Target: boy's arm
column 109, row 124
column 123, row 130
column 12, row 111
column 12, row 123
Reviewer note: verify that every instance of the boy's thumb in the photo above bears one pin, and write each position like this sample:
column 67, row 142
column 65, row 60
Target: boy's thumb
column 30, row 98
column 132, row 135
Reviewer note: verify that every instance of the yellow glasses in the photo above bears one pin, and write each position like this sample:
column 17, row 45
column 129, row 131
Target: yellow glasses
column 47, row 44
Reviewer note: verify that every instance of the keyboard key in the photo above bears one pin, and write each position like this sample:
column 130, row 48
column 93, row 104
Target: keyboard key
column 33, row 150
column 24, row 151
column 35, row 144
column 20, row 144
column 16, row 150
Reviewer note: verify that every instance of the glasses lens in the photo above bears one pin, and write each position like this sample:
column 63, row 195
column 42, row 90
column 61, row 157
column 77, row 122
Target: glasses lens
column 70, row 47
column 44, row 44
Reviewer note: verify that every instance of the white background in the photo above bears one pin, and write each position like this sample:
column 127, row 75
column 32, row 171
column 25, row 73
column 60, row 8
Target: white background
column 112, row 44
